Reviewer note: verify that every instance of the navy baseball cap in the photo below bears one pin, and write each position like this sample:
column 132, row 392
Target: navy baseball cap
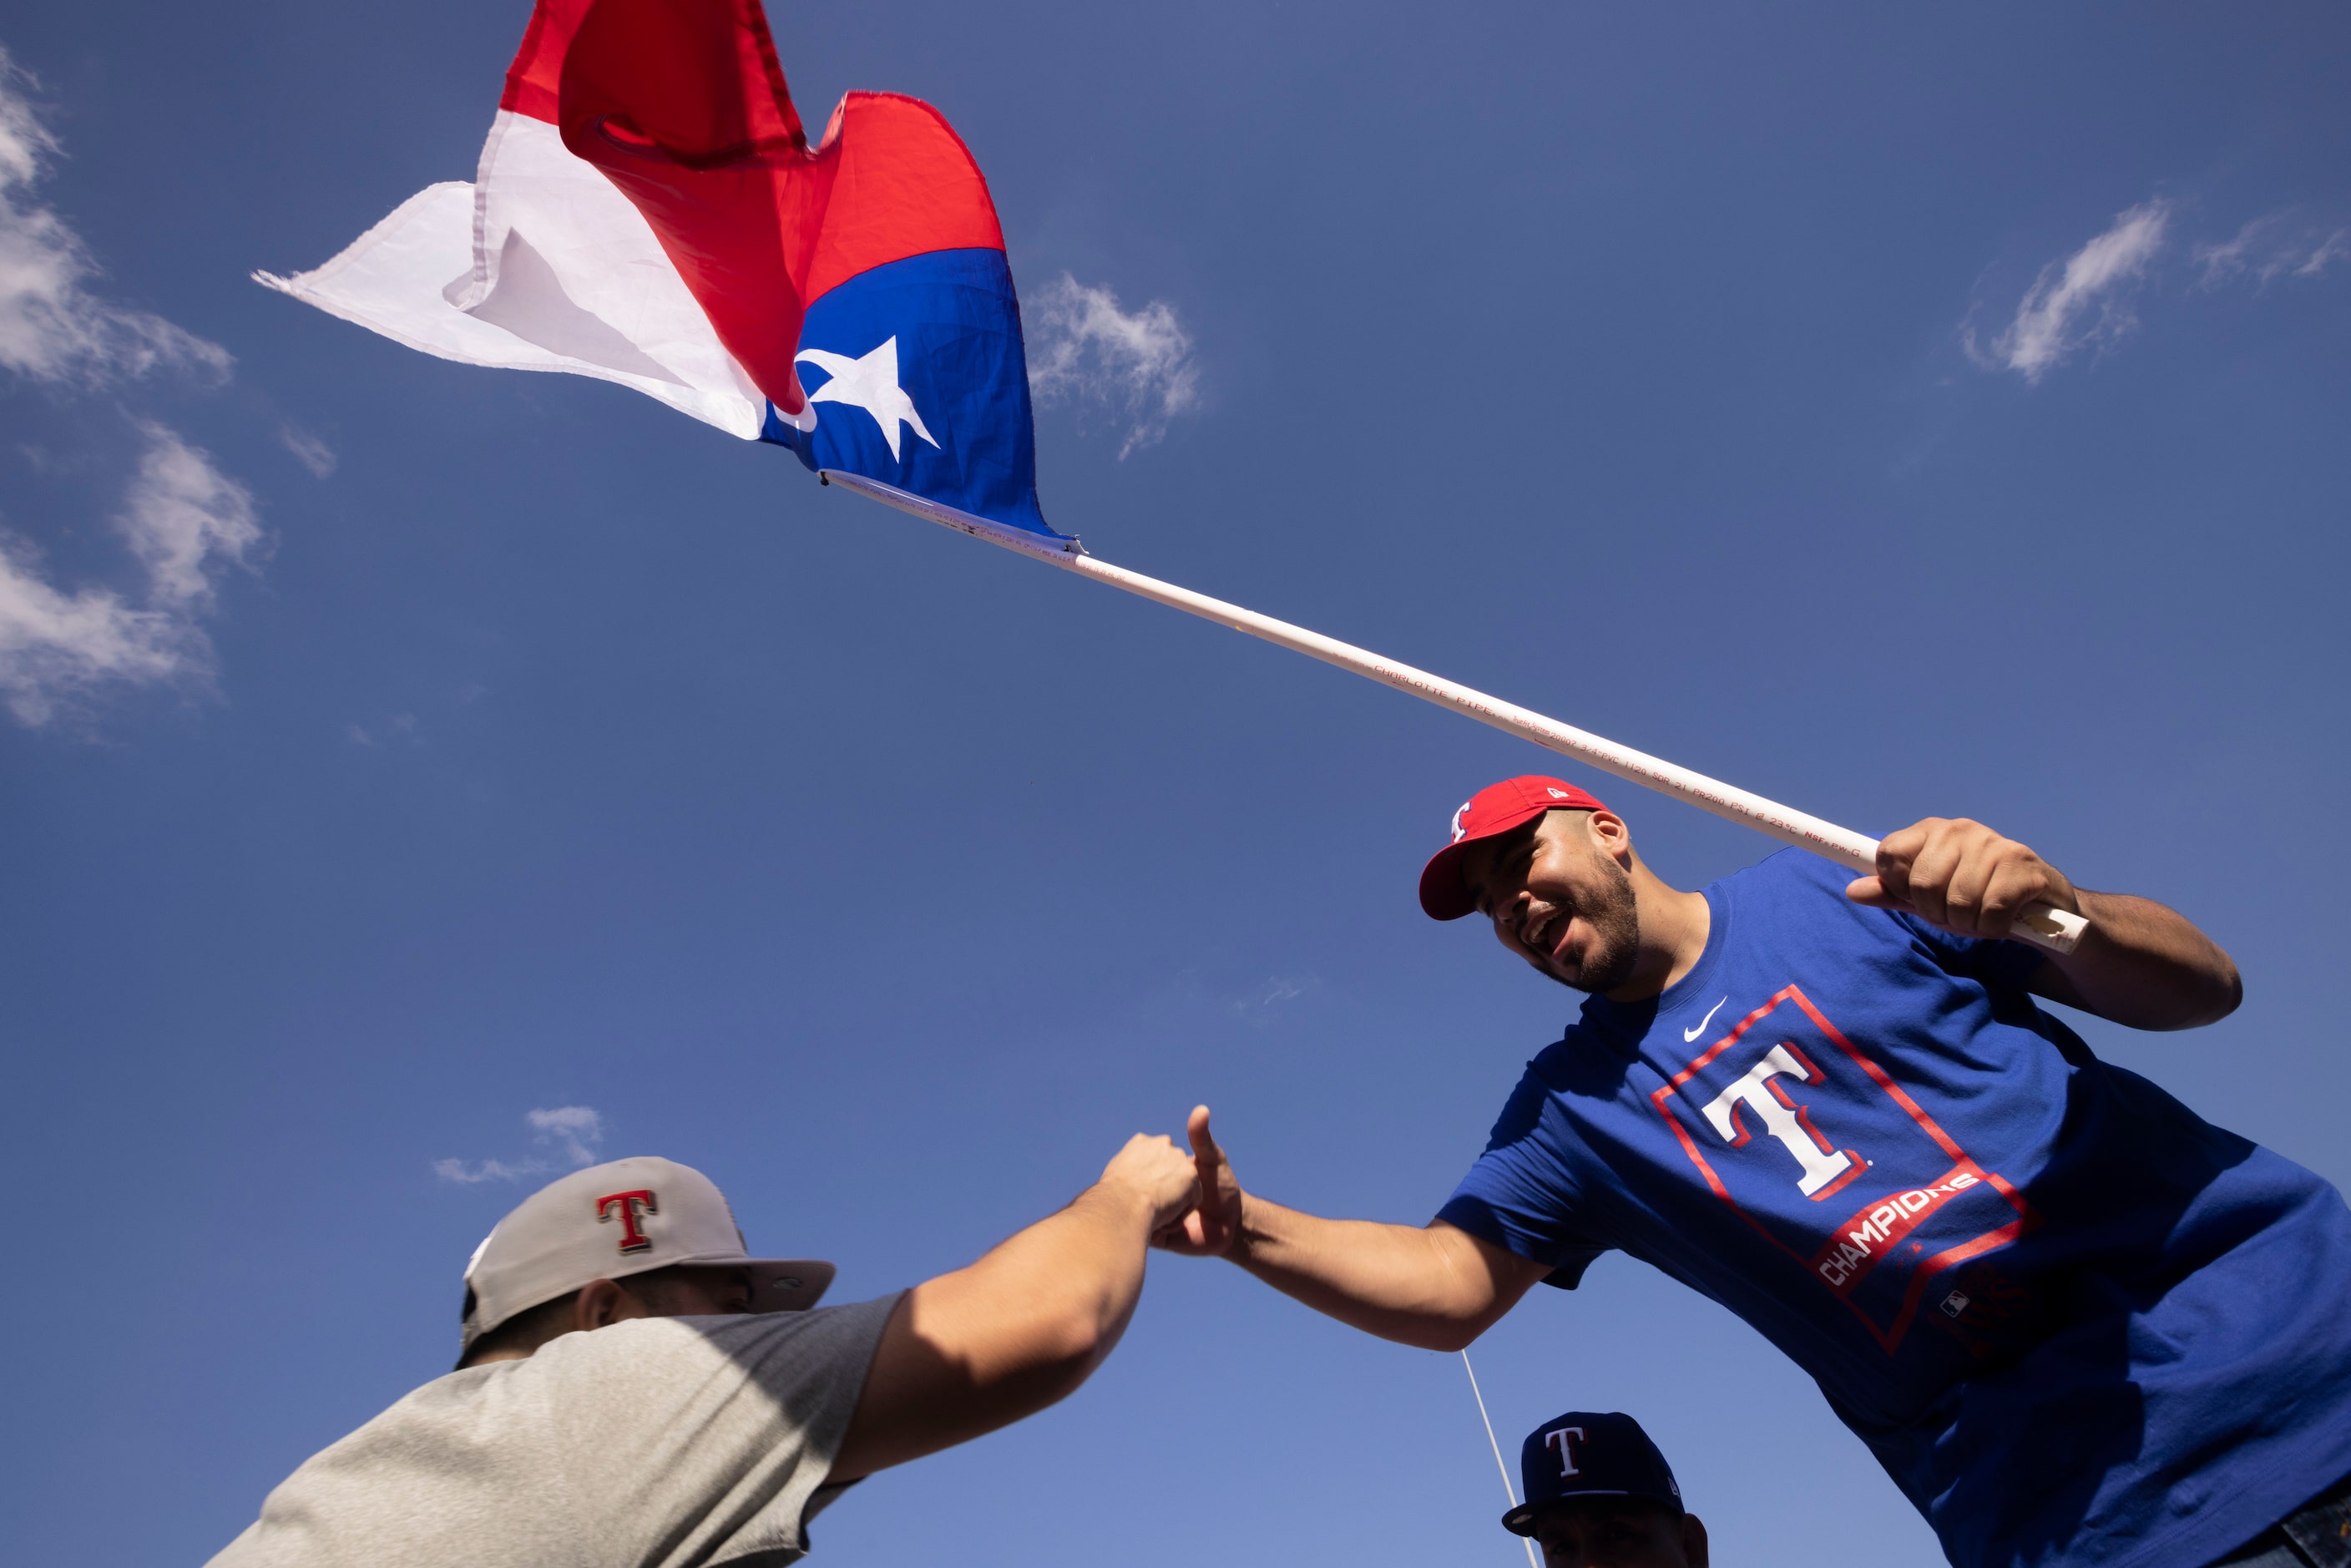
column 1589, row 1454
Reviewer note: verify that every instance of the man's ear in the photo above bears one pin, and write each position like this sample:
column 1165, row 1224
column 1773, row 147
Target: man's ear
column 1611, row 836
column 602, row 1303
column 1694, row 1541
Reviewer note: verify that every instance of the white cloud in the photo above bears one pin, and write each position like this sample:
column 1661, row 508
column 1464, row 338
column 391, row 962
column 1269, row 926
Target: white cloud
column 309, row 450
column 568, row 1135
column 52, row 328
column 2286, row 243
column 1276, row 991
column 575, row 1129
column 54, row 646
column 2082, row 299
column 488, row 1170
column 399, row 726
column 180, row 518
column 182, row 514
column 1083, row 348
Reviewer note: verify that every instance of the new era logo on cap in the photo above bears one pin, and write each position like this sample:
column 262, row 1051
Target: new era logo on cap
column 1496, row 809
column 613, row 1220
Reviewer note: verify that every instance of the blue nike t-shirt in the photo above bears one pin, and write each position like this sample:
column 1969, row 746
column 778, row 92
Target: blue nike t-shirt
column 2074, row 1322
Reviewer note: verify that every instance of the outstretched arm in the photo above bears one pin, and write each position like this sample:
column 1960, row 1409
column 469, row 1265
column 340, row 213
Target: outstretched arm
column 2139, row 964
column 981, row 1348
column 1435, row 1286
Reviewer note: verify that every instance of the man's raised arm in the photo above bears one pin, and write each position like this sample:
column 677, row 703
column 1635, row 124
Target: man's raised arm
column 1437, row 1286
column 981, row 1348
column 2140, row 964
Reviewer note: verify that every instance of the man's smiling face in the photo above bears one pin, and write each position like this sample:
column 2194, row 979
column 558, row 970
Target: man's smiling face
column 1560, row 896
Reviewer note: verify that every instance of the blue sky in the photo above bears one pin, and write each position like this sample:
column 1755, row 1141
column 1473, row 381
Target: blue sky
column 1894, row 413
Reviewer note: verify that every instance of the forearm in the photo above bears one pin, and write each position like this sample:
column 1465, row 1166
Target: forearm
column 1020, row 1329
column 1433, row 1288
column 2143, row 966
column 1057, row 1295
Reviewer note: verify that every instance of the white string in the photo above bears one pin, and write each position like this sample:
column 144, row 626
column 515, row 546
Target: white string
column 1508, row 1489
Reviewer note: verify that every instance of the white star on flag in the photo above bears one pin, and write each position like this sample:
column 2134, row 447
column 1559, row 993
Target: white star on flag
column 870, row 383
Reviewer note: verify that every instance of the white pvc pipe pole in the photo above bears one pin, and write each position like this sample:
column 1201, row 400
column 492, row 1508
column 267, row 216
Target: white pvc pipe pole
column 2039, row 923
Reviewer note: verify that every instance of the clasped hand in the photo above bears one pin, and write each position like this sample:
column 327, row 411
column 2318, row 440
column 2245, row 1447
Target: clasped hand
column 1961, row 876
column 1194, row 1201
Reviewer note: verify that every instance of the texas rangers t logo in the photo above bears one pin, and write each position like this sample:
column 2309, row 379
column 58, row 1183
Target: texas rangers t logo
column 628, row 1206
column 1915, row 1205
column 1557, row 1437
column 1825, row 1169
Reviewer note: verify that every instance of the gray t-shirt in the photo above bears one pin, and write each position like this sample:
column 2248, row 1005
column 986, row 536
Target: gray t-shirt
column 669, row 1441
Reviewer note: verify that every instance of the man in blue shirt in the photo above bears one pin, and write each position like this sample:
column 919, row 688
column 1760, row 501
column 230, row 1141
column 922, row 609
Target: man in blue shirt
column 2076, row 1324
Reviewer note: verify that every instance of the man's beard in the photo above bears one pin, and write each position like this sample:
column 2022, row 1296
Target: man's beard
column 1615, row 945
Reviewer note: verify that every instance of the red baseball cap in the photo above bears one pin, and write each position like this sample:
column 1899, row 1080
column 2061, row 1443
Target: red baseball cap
column 1496, row 809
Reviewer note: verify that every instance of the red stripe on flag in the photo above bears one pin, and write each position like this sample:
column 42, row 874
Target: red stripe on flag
column 683, row 105
column 537, row 68
column 906, row 185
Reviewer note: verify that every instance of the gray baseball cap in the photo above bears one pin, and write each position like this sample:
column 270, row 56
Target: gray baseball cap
column 609, row 1221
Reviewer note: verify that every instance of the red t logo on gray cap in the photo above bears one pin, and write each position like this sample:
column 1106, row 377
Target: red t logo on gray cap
column 629, row 1206
column 556, row 1241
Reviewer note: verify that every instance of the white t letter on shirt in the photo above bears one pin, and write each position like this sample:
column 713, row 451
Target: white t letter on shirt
column 1756, row 1091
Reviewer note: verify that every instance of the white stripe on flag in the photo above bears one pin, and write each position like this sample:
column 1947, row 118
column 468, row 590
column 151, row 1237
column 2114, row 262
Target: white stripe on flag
column 540, row 266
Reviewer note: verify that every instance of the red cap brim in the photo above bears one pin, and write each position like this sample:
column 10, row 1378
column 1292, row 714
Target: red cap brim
column 1443, row 894
column 1496, row 809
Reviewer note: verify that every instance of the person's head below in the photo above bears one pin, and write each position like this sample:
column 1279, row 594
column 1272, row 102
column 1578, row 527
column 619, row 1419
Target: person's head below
column 1600, row 1495
column 640, row 1238
column 614, row 1319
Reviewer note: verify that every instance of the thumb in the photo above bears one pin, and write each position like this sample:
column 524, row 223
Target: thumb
column 1204, row 1151
column 1871, row 891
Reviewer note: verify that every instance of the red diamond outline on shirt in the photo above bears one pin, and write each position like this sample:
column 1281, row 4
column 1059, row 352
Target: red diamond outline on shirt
column 1890, row 1338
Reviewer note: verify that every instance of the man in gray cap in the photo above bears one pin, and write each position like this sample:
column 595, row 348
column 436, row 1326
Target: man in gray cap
column 633, row 1388
column 1599, row 1495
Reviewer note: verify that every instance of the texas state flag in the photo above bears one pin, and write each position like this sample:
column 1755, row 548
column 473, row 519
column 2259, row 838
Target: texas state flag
column 648, row 211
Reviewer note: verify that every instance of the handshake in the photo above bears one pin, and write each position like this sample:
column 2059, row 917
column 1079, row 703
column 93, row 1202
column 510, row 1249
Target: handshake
column 1194, row 1202
column 1434, row 1285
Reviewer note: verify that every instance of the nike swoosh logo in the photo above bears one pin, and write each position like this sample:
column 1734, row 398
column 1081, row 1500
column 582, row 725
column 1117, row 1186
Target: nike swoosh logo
column 1689, row 1036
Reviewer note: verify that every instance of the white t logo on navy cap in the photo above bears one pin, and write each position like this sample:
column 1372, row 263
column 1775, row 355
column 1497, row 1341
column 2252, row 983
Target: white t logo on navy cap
column 1589, row 1453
